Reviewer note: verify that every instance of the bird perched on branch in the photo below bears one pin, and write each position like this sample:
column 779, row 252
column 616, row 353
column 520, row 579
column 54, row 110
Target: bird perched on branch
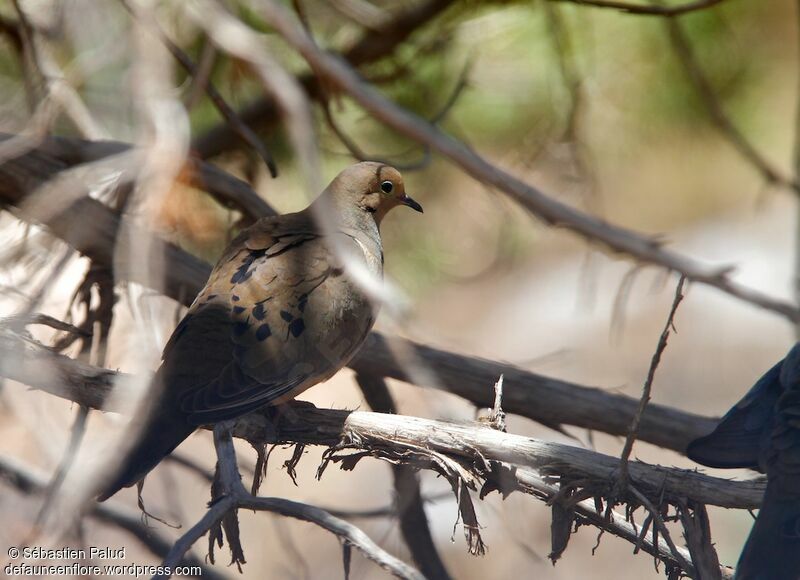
column 762, row 432
column 282, row 311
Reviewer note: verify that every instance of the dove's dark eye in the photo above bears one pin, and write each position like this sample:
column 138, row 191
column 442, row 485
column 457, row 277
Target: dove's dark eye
column 387, row 186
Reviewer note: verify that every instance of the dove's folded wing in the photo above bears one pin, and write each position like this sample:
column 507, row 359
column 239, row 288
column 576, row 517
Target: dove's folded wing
column 243, row 343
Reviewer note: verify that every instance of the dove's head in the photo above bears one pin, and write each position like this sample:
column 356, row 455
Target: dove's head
column 370, row 187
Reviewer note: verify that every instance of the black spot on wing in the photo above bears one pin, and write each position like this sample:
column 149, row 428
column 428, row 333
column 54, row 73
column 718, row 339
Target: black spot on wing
column 235, row 298
column 238, row 309
column 263, row 332
column 301, row 304
column 258, row 311
column 287, row 316
column 244, row 271
column 297, row 327
column 211, row 296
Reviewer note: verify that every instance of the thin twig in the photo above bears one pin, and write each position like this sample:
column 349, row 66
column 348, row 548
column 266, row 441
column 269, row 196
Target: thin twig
column 648, row 384
column 497, row 418
column 658, row 521
column 44, row 320
column 387, row 511
column 77, row 432
column 233, row 36
column 32, row 73
column 355, row 150
column 697, row 531
column 179, row 459
column 51, row 91
column 563, row 46
column 587, row 511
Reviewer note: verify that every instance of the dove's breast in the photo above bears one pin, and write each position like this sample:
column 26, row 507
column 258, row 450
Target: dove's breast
column 320, row 319
column 340, row 312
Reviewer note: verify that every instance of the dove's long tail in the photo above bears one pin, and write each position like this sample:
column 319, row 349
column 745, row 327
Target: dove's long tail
column 162, row 434
column 772, row 551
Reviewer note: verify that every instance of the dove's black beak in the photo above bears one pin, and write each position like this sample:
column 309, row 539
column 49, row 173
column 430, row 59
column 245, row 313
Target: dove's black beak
column 411, row 203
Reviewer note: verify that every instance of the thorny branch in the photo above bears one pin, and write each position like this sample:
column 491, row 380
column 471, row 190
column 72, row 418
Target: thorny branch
column 469, row 453
column 234, row 496
column 56, row 374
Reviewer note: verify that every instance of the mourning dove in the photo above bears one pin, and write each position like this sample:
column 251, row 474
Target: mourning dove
column 762, row 432
column 280, row 313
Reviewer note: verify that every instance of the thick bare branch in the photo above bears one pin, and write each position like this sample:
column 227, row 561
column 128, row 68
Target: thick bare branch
column 471, row 443
column 53, row 154
column 391, row 435
column 547, row 400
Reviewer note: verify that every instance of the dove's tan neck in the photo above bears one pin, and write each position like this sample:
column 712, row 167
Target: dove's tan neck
column 345, row 213
column 350, row 219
